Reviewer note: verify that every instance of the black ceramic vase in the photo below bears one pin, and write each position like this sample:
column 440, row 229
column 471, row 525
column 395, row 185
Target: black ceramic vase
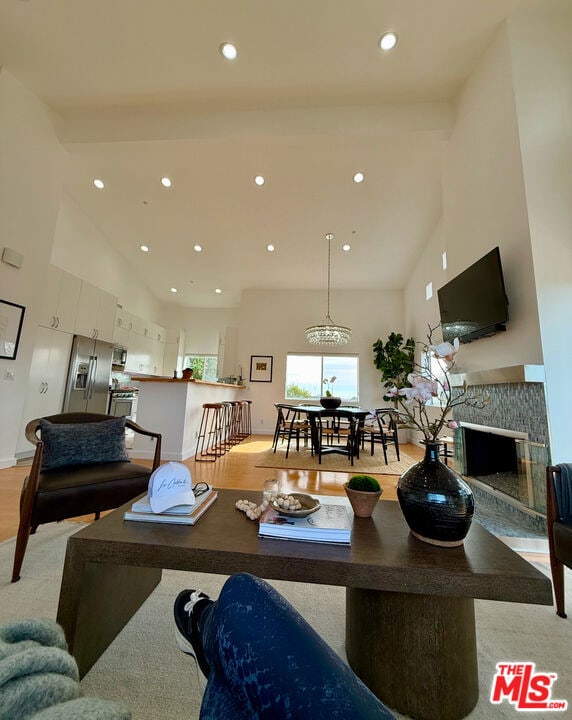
column 436, row 502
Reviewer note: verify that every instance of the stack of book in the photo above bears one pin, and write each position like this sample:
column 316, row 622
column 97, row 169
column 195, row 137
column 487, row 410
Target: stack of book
column 177, row 515
column 329, row 524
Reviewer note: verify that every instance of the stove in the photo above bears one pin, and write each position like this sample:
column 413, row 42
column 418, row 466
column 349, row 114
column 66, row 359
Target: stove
column 123, row 402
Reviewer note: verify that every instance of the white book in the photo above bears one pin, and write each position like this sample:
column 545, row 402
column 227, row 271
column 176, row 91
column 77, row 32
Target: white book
column 330, row 524
column 143, row 505
column 190, row 518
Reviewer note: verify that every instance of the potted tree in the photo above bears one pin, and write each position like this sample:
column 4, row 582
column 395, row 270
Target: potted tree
column 395, row 359
column 363, row 492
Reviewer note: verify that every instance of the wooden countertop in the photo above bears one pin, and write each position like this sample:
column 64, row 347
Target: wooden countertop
column 183, row 380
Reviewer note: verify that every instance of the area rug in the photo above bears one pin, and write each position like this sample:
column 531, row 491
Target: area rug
column 144, row 670
column 303, row 460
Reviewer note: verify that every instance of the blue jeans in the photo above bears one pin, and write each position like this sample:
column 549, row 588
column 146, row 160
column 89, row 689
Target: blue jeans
column 267, row 663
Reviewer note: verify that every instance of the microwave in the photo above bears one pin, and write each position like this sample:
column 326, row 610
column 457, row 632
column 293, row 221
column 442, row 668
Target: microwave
column 119, row 356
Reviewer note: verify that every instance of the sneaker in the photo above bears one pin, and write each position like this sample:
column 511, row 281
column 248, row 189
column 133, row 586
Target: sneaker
column 187, row 604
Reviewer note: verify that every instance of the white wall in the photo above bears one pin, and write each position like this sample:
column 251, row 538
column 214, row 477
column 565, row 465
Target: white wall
column 201, row 326
column 273, row 323
column 484, row 205
column 81, row 249
column 541, row 43
column 31, row 175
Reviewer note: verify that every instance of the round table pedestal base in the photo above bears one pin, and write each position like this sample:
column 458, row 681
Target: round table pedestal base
column 417, row 653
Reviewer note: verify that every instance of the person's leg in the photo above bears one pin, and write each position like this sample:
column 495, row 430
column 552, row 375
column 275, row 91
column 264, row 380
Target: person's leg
column 268, row 661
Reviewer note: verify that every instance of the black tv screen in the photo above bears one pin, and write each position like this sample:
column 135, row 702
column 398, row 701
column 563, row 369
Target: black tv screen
column 474, row 304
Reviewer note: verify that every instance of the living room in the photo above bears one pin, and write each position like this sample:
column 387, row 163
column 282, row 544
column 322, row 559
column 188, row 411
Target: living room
column 495, row 178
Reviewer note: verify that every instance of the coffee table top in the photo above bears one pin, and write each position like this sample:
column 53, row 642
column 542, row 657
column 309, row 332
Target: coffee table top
column 383, row 555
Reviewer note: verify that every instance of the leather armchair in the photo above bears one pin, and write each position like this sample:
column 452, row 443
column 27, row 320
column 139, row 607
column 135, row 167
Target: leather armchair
column 559, row 527
column 57, row 493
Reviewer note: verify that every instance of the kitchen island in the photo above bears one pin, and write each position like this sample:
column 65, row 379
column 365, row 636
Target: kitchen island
column 174, row 408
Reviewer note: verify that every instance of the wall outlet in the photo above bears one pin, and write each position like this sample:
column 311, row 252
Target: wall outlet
column 9, row 375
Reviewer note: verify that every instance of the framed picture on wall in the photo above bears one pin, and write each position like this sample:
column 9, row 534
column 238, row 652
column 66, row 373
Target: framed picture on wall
column 261, row 368
column 11, row 319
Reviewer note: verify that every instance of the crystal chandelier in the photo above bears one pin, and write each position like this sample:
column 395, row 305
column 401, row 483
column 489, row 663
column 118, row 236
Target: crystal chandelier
column 329, row 333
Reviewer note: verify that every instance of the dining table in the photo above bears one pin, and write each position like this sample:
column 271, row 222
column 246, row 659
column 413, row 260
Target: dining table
column 353, row 415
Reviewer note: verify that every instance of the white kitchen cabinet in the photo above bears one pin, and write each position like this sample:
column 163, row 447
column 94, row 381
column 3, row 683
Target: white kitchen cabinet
column 47, row 379
column 144, row 355
column 139, row 325
column 158, row 332
column 122, row 327
column 60, row 297
column 95, row 313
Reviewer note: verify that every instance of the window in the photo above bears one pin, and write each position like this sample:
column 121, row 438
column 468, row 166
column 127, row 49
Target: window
column 204, row 366
column 434, row 369
column 305, row 376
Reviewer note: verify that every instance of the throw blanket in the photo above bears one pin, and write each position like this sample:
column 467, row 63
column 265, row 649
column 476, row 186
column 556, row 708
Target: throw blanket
column 563, row 486
column 39, row 678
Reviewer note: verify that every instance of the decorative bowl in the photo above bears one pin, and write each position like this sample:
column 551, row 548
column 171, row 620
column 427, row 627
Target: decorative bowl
column 330, row 403
column 309, row 506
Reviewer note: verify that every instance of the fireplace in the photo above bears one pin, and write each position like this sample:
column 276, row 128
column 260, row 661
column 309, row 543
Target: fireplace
column 504, row 446
column 499, row 458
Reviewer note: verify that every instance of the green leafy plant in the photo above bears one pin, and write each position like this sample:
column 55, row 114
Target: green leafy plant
column 364, row 483
column 296, row 391
column 395, row 359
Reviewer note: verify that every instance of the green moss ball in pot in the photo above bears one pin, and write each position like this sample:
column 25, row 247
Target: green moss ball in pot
column 363, row 492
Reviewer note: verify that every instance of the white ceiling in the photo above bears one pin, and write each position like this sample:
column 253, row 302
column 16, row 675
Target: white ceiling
column 142, row 92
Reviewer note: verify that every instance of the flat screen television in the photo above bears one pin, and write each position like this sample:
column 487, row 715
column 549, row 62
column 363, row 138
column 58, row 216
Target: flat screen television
column 474, row 304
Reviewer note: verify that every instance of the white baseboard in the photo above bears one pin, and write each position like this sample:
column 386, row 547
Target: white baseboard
column 7, row 462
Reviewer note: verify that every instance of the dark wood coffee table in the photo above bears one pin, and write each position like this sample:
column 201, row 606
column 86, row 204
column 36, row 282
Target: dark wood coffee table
column 410, row 624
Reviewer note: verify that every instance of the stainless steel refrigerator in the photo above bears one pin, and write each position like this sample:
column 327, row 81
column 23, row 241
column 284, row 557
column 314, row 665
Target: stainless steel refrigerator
column 87, row 388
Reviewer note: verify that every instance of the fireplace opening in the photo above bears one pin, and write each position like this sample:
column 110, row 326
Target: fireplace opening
column 487, row 453
column 493, row 459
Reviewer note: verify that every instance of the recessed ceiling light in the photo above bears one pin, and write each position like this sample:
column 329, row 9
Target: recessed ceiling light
column 197, row 248
column 218, row 291
column 166, row 182
column 259, row 180
column 99, row 184
column 144, row 248
column 173, row 290
column 388, row 41
column 229, row 51
column 346, row 247
column 359, row 177
column 270, row 248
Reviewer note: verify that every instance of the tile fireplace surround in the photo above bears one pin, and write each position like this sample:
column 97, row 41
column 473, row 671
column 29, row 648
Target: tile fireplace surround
column 518, row 407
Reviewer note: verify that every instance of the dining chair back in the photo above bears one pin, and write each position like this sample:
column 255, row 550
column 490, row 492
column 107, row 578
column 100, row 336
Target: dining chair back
column 382, row 429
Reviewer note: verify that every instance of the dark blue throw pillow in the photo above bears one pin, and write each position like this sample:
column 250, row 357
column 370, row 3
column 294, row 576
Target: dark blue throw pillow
column 83, row 443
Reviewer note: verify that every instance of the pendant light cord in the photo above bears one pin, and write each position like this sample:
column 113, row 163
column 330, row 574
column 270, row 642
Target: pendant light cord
column 329, row 267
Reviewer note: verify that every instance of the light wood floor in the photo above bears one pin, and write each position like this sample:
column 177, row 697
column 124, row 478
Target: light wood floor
column 234, row 470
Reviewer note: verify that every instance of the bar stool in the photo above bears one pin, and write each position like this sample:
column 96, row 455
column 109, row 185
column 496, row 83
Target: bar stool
column 243, row 419
column 248, row 417
column 227, row 438
column 209, row 441
column 237, row 412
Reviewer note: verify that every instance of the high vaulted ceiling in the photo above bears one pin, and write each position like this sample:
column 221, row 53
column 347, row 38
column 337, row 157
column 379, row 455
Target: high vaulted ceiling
column 143, row 92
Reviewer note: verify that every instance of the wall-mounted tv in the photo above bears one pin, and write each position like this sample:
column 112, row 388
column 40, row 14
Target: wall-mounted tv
column 474, row 304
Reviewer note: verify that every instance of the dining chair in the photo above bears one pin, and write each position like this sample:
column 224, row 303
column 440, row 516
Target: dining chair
column 382, row 429
column 289, row 425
